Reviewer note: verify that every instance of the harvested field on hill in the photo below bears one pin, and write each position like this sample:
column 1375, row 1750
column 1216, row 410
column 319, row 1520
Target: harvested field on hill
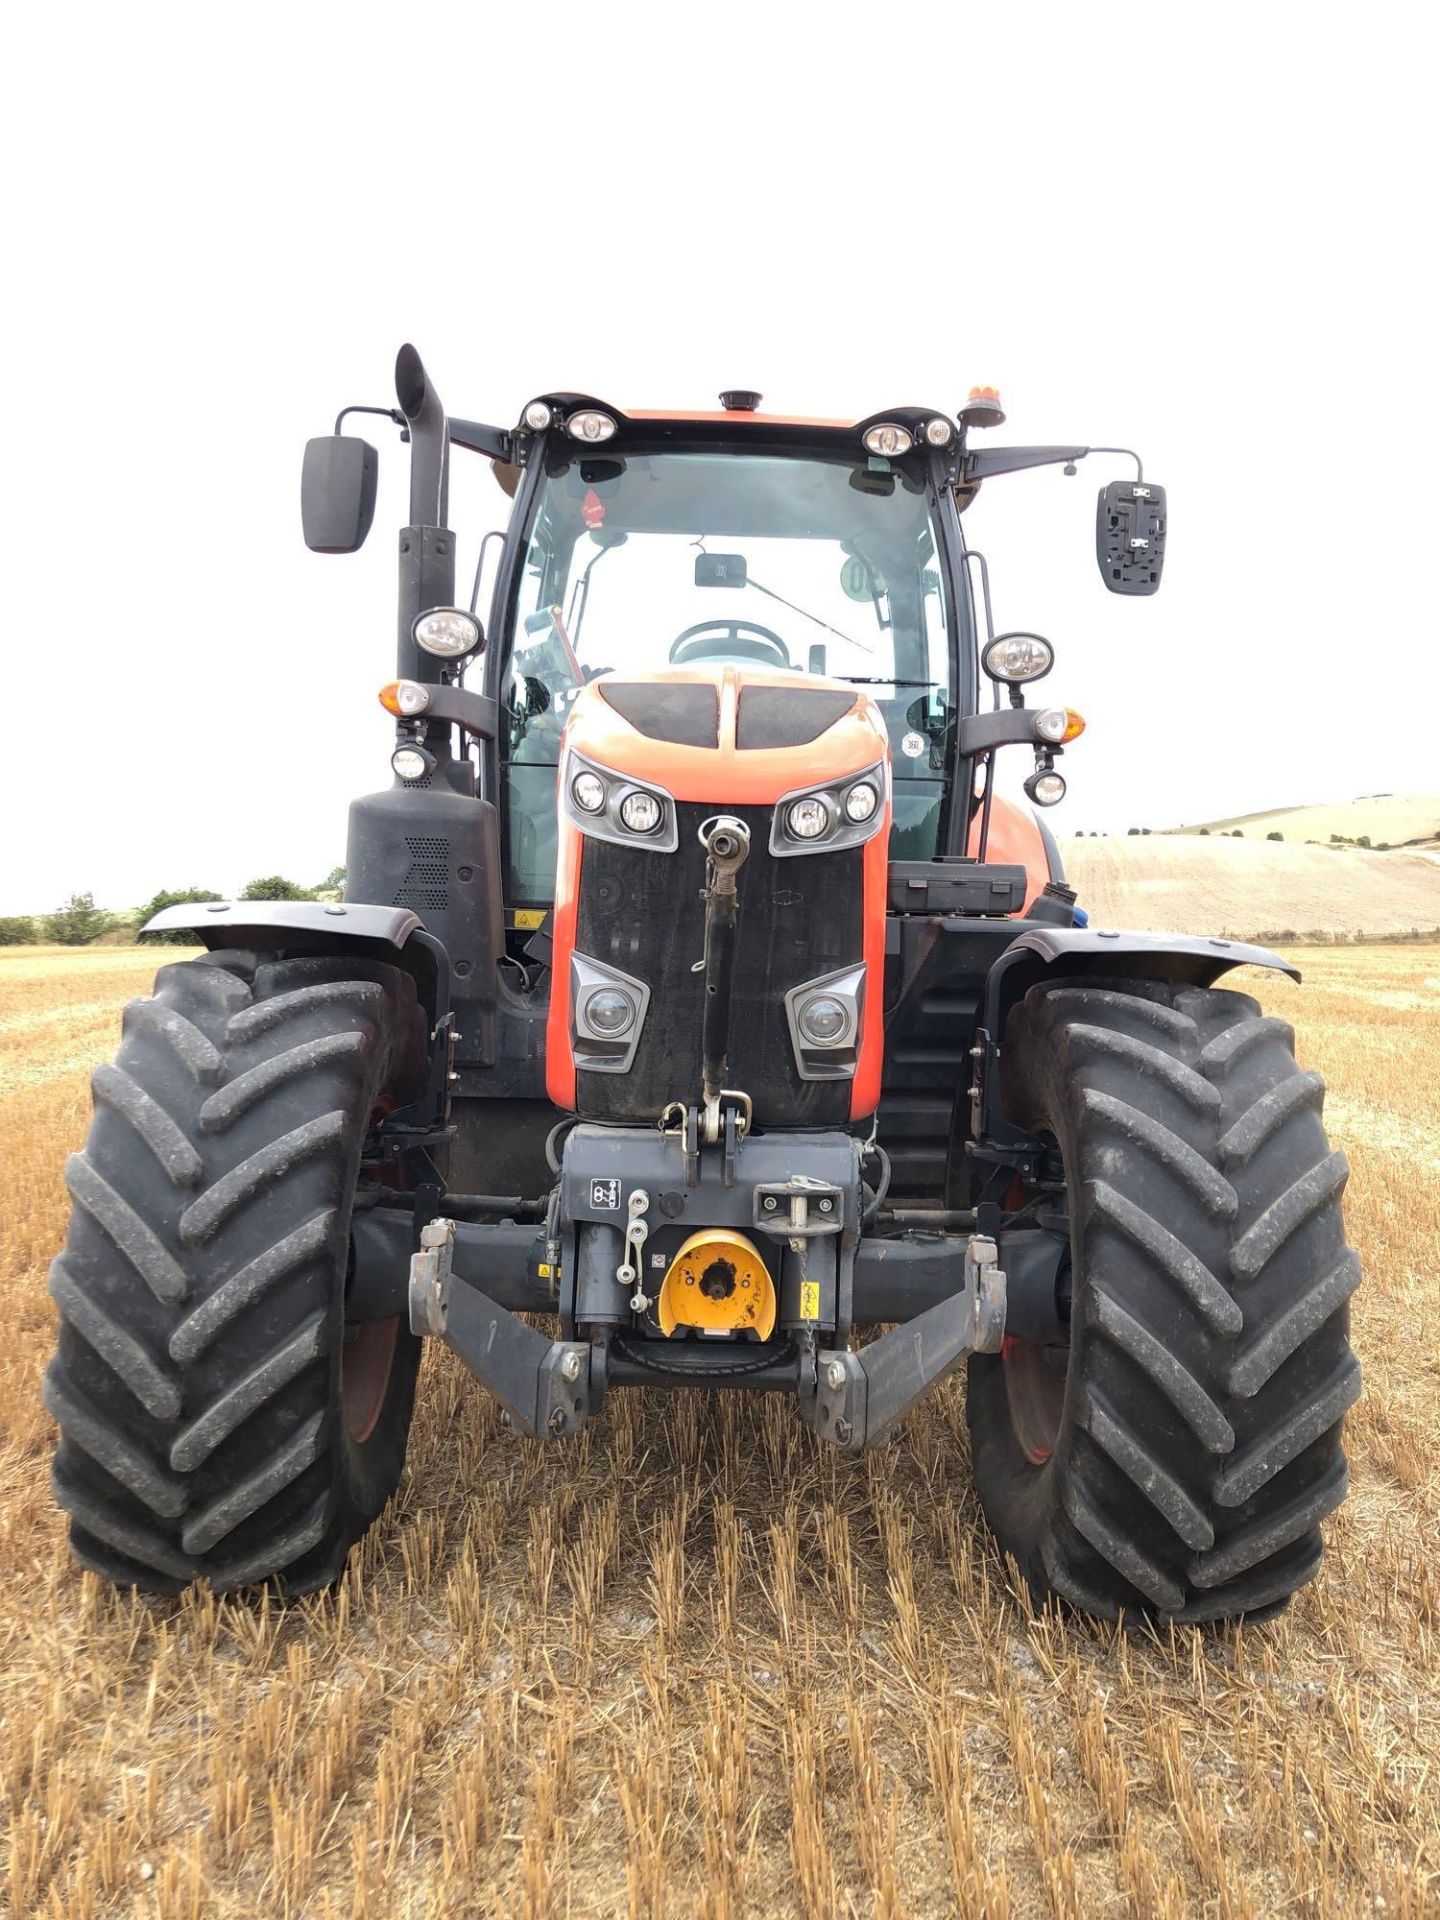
column 696, row 1663
column 1394, row 819
column 1249, row 888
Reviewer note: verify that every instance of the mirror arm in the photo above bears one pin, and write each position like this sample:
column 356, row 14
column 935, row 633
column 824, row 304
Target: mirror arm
column 1128, row 453
column 386, row 413
column 988, row 460
column 498, row 443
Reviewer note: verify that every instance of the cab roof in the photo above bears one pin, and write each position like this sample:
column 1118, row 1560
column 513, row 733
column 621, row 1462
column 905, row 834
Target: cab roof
column 739, row 416
column 729, row 423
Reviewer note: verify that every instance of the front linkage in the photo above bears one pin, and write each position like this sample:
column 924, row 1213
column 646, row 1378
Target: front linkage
column 467, row 1280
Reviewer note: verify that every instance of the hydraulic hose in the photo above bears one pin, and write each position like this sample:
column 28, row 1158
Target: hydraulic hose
column 882, row 1186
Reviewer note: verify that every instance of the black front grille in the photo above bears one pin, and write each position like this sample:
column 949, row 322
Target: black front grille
column 798, row 918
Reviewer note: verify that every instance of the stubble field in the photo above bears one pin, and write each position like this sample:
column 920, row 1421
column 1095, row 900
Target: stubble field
column 1253, row 889
column 696, row 1663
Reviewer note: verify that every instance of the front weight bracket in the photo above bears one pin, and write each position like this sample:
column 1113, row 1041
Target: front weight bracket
column 543, row 1385
column 863, row 1394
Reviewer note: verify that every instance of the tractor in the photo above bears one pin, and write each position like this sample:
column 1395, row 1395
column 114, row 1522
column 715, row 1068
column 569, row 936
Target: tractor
column 697, row 1015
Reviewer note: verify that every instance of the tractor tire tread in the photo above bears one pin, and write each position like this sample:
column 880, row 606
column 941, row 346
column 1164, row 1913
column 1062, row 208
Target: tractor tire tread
column 1211, row 1294
column 1199, row 1409
column 196, row 1383
column 150, row 1120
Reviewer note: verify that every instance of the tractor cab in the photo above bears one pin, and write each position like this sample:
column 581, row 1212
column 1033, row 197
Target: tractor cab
column 683, row 547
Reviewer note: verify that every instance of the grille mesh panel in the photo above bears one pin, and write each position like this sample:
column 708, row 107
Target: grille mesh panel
column 426, row 886
column 643, row 913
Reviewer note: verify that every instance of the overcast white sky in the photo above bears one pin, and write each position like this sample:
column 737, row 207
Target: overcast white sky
column 1204, row 232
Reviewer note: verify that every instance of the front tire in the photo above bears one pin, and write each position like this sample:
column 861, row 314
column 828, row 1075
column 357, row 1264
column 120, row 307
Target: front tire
column 218, row 1419
column 1177, row 1459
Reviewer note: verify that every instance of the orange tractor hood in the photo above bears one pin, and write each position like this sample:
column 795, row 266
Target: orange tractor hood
column 767, row 732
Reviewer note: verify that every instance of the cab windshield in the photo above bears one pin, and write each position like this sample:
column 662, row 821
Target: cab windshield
column 644, row 562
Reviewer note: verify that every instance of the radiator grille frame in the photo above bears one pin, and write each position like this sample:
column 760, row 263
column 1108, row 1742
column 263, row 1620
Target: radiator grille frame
column 798, row 918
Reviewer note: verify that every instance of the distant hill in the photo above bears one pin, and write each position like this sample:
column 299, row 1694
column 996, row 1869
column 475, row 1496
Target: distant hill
column 1391, row 819
column 1244, row 888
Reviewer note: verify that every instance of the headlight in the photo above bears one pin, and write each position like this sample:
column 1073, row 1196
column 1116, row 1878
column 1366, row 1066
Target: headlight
column 447, row 632
column 606, row 804
column 641, row 812
column 1046, row 789
column 1050, row 725
column 588, row 790
column 939, row 433
column 807, row 819
column 590, row 425
column 608, row 1015
column 537, row 416
column 888, row 440
column 610, row 1011
column 861, row 801
column 1015, row 658
column 823, row 1019
column 831, row 815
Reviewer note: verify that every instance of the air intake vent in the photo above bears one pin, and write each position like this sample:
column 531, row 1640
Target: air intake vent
column 426, row 886
column 787, row 716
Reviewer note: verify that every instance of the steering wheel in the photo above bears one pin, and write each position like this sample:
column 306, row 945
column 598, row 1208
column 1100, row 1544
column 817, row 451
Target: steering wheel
column 746, row 637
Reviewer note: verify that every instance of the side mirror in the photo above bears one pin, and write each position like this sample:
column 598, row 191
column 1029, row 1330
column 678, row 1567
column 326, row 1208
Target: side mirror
column 337, row 492
column 1130, row 524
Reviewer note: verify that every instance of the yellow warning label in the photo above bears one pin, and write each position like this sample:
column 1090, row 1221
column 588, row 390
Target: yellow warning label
column 809, row 1299
column 528, row 918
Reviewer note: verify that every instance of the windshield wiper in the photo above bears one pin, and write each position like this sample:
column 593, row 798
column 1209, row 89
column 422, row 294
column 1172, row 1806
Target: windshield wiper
column 849, row 639
column 882, row 680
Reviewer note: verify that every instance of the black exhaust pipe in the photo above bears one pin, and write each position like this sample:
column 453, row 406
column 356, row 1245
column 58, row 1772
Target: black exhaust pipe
column 429, row 440
column 427, row 546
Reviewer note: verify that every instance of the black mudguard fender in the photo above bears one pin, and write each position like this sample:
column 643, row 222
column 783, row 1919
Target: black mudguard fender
column 1094, row 952
column 392, row 934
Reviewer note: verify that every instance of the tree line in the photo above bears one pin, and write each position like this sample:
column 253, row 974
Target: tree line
column 80, row 923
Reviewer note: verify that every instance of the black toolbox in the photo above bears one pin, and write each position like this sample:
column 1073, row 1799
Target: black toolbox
column 953, row 884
